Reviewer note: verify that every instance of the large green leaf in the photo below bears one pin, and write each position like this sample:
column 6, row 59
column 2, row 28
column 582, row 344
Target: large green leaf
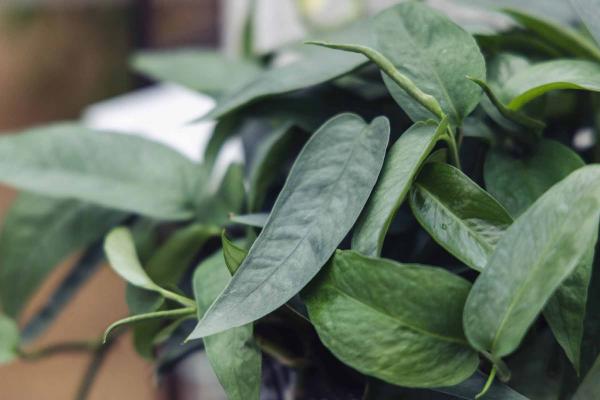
column 323, row 196
column 435, row 54
column 568, row 41
column 535, row 255
column 411, row 315
column 534, row 81
column 399, row 169
column 205, row 70
column 518, row 183
column 589, row 11
column 461, row 216
column 9, row 339
column 233, row 354
column 38, row 233
column 119, row 171
column 313, row 66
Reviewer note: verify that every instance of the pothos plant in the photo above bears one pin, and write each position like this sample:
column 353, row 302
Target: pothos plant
column 416, row 218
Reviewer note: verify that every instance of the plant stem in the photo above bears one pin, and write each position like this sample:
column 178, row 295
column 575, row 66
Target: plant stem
column 452, row 147
column 58, row 348
column 93, row 368
column 488, row 383
column 184, row 301
column 502, row 368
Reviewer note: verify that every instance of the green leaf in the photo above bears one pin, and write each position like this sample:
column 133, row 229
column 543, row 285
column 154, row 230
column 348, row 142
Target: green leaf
column 314, row 66
column 38, row 233
column 9, row 339
column 233, row 255
column 568, row 41
column 535, row 255
column 255, row 220
column 323, row 196
column 417, row 40
column 114, row 170
column 176, row 313
column 233, row 354
column 399, row 169
column 538, row 79
column 458, row 214
column 590, row 387
column 410, row 313
column 518, row 183
column 271, row 156
column 168, row 264
column 589, row 11
column 229, row 198
column 205, row 70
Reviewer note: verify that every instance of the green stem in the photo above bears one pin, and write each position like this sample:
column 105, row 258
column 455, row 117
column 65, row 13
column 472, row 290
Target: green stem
column 184, row 301
column 427, row 101
column 93, row 368
column 58, row 348
column 488, row 384
column 448, row 137
column 502, row 368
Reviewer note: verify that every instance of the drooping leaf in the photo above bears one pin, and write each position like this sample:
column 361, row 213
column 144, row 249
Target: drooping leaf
column 399, row 169
column 323, row 196
column 119, row 171
column 314, row 66
column 589, row 11
column 37, row 234
column 417, row 40
column 205, row 70
column 79, row 274
column 233, row 255
column 459, row 215
column 233, row 354
column 9, row 339
column 569, row 42
column 541, row 78
column 518, row 183
column 255, row 220
column 535, row 255
column 358, row 297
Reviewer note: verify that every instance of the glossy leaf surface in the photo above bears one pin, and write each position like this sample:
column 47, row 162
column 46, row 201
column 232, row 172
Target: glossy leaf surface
column 435, row 54
column 323, row 196
column 410, row 313
column 461, row 216
column 399, row 169
column 113, row 170
column 535, row 255
column 40, row 232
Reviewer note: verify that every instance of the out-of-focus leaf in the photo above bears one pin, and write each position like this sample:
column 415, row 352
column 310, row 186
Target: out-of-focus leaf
column 38, row 233
column 256, row 220
column 9, row 339
column 205, row 70
column 589, row 11
column 233, row 255
column 461, row 216
column 590, row 387
column 535, row 255
column 394, row 305
column 323, row 196
column 399, row 169
column 229, row 198
column 417, row 40
column 120, row 171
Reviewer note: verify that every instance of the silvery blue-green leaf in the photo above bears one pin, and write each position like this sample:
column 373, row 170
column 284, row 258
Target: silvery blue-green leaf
column 568, row 41
column 538, row 79
column 205, row 70
column 435, row 54
column 268, row 161
column 535, row 255
column 312, row 66
column 66, row 290
column 459, row 215
column 590, row 387
column 589, row 11
column 399, row 169
column 323, row 196
column 118, row 171
column 411, row 315
column 38, row 233
column 518, row 183
column 233, row 354
column 9, row 339
column 256, row 220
